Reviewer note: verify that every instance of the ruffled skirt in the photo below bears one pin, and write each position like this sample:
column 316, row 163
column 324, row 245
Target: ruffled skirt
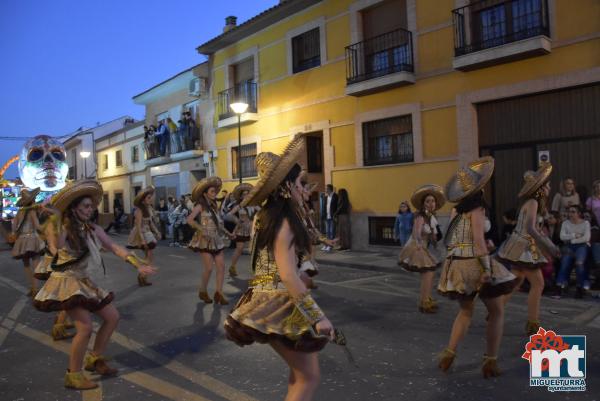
column 28, row 245
column 134, row 240
column 243, row 230
column 42, row 270
column 266, row 315
column 67, row 290
column 521, row 252
column 461, row 278
column 202, row 243
column 418, row 259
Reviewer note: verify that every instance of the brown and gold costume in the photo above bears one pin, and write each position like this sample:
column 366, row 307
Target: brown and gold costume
column 208, row 237
column 28, row 243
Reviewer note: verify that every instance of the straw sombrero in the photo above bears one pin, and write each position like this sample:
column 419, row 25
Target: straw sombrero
column 470, row 179
column 310, row 186
column 535, row 179
column 272, row 169
column 203, row 185
column 137, row 201
column 239, row 190
column 28, row 196
column 76, row 189
column 418, row 197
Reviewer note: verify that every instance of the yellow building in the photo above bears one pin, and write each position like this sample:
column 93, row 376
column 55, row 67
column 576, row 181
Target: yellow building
column 398, row 93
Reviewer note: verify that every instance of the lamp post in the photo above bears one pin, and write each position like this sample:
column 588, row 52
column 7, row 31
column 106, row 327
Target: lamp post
column 84, row 155
column 239, row 108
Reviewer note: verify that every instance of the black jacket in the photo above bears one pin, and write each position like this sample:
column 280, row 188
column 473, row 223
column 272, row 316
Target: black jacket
column 333, row 208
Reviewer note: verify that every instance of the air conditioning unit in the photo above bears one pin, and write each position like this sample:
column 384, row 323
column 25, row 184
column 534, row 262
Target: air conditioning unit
column 197, row 87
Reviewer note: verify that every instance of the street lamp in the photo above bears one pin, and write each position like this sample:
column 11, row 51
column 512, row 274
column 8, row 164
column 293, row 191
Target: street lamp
column 239, row 108
column 84, row 155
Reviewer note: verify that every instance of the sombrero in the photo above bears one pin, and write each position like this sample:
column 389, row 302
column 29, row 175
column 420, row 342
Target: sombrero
column 203, row 185
column 470, row 179
column 28, row 196
column 272, row 169
column 137, row 201
column 310, row 186
column 535, row 179
column 239, row 190
column 76, row 189
column 418, row 197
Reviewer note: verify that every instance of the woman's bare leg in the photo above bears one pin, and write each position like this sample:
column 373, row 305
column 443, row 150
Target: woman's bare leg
column 426, row 285
column 495, row 325
column 207, row 263
column 220, row 263
column 239, row 248
column 110, row 317
column 83, row 325
column 536, row 281
column 461, row 324
column 304, row 372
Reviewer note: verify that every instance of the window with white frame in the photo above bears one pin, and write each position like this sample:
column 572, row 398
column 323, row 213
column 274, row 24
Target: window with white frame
column 135, row 154
column 119, row 158
column 247, row 161
column 388, row 141
column 306, row 50
column 105, row 161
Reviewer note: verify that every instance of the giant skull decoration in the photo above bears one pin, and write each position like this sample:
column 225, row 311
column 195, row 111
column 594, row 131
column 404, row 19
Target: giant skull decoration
column 43, row 164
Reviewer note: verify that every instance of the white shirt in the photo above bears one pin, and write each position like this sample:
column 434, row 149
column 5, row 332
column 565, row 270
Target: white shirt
column 329, row 197
column 570, row 232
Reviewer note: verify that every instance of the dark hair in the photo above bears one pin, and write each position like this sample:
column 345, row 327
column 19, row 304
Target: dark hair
column 277, row 208
column 510, row 214
column 578, row 208
column 471, row 202
column 343, row 194
column 71, row 225
column 209, row 205
column 329, row 186
column 407, row 207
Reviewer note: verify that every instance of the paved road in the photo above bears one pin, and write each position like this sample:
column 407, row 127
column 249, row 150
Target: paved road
column 170, row 346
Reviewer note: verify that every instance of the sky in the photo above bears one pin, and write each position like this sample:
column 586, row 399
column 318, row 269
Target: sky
column 72, row 63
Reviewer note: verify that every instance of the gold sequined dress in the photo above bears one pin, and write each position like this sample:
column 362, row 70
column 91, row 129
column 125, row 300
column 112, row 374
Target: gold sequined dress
column 423, row 255
column 243, row 227
column 28, row 243
column 462, row 271
column 69, row 285
column 208, row 238
column 520, row 249
column 266, row 312
column 134, row 241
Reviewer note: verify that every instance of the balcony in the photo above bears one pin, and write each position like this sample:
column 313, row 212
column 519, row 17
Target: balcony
column 243, row 92
column 184, row 144
column 492, row 32
column 379, row 63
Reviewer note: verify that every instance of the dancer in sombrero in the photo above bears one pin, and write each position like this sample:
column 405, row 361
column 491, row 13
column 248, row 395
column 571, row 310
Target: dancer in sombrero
column 76, row 249
column 208, row 238
column 277, row 309
column 525, row 248
column 468, row 270
column 28, row 245
column 144, row 235
column 243, row 226
column 421, row 253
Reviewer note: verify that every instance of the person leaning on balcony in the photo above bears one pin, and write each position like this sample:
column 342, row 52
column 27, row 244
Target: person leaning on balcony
column 277, row 308
column 565, row 197
column 163, row 137
column 174, row 140
column 191, row 133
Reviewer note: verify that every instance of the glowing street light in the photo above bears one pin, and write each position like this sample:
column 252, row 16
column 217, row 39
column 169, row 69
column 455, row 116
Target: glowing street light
column 84, row 154
column 239, row 108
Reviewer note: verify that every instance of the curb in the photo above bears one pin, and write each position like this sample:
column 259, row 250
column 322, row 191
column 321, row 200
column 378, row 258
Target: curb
column 359, row 266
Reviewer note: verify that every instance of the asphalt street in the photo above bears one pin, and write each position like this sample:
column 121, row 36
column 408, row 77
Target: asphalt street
column 171, row 346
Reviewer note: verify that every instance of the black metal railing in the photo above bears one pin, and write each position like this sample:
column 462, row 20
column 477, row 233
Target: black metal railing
column 388, row 149
column 244, row 92
column 188, row 136
column 382, row 55
column 491, row 23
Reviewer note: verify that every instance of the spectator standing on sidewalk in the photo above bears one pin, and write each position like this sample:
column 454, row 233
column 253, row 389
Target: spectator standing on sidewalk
column 575, row 232
column 342, row 214
column 118, row 215
column 593, row 202
column 331, row 206
column 566, row 196
column 163, row 217
column 403, row 224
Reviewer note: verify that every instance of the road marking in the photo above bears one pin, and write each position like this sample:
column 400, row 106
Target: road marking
column 177, row 256
column 213, row 385
column 9, row 321
column 17, row 309
column 3, row 334
column 14, row 285
column 162, row 387
column 93, row 395
column 358, row 280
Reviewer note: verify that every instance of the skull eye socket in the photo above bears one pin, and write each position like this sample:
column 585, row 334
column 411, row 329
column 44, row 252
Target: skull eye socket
column 58, row 154
column 35, row 155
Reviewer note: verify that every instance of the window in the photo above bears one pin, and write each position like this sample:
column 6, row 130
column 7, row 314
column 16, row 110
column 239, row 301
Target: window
column 105, row 204
column 119, row 158
column 105, row 161
column 118, row 199
column 306, row 51
column 388, row 141
column 135, row 154
column 381, row 230
column 248, row 158
column 73, row 168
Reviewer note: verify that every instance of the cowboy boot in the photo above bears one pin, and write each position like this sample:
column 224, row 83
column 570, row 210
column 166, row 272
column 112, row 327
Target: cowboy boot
column 59, row 332
column 433, row 303
column 97, row 363
column 532, row 327
column 232, row 271
column 427, row 307
column 78, row 381
column 490, row 367
column 143, row 281
column 446, row 358
column 220, row 299
column 203, row 295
